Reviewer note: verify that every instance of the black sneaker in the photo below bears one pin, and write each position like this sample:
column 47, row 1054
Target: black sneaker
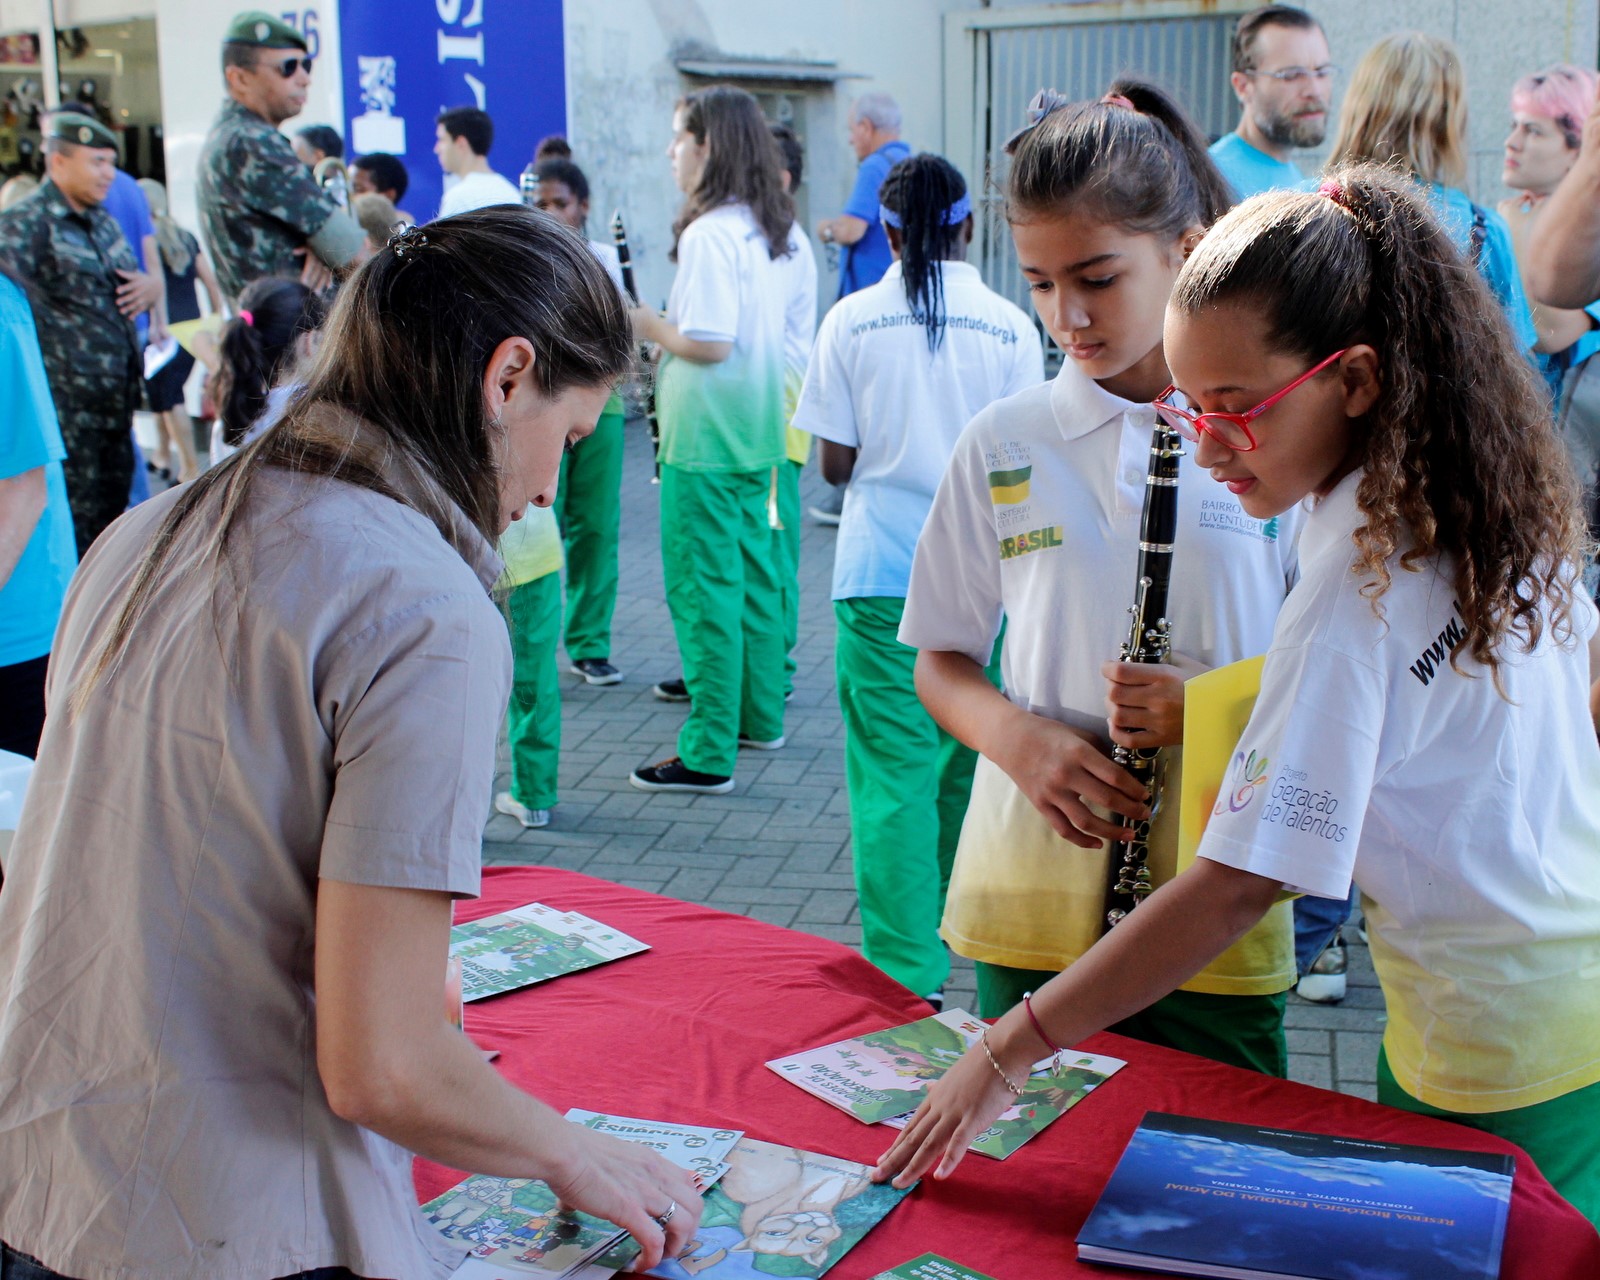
column 673, row 775
column 595, row 671
column 672, row 690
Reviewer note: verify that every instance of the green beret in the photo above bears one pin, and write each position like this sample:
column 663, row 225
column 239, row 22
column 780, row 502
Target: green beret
column 86, row 131
column 260, row 28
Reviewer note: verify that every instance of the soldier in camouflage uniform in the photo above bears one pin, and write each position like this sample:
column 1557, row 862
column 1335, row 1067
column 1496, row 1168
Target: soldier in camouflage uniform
column 69, row 252
column 260, row 209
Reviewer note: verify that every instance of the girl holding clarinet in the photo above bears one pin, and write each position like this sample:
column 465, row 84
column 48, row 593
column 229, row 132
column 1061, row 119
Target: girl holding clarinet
column 1422, row 720
column 1038, row 521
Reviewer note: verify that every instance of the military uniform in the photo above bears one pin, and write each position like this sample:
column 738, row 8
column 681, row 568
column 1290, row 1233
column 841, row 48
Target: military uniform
column 91, row 350
column 258, row 203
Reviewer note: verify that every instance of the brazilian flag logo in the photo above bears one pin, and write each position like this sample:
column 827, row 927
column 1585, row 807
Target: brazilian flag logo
column 1007, row 488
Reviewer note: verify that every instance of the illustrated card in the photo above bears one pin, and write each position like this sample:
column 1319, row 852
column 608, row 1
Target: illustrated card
column 530, row 944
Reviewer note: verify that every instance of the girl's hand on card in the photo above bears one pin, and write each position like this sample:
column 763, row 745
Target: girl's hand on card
column 1144, row 703
column 1062, row 772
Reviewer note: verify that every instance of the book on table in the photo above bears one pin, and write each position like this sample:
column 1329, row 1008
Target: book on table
column 530, row 944
column 1195, row 1197
column 881, row 1077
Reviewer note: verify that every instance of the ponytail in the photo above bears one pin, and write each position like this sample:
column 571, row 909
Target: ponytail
column 257, row 345
column 1134, row 159
column 1461, row 459
column 922, row 194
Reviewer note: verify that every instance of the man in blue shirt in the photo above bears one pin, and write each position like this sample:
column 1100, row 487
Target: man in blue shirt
column 1284, row 83
column 875, row 138
column 37, row 549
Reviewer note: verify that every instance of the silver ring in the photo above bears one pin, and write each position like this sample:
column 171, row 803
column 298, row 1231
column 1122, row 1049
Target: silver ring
column 662, row 1219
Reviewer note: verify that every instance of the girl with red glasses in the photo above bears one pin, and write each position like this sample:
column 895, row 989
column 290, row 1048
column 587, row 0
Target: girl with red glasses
column 1422, row 726
column 1037, row 521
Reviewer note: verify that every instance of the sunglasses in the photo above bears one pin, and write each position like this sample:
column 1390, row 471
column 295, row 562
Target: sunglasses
column 289, row 66
column 1229, row 429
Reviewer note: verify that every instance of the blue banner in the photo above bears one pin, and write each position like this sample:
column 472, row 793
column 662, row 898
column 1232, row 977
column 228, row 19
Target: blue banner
column 404, row 61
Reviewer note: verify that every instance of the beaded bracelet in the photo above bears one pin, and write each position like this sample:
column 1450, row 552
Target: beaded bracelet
column 1055, row 1050
column 1000, row 1071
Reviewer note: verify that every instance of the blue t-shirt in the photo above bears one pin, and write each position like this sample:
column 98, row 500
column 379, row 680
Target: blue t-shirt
column 126, row 203
column 865, row 261
column 30, row 437
column 1496, row 261
column 1249, row 170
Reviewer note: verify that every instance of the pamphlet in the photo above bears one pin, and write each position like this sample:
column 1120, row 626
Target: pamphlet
column 930, row 1266
column 702, row 1151
column 881, row 1077
column 530, row 944
column 1202, row 1197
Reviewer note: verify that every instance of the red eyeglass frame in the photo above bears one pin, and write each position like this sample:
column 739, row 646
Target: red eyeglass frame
column 1191, row 425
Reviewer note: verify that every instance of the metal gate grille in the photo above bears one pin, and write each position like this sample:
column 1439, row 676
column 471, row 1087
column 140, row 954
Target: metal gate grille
column 998, row 59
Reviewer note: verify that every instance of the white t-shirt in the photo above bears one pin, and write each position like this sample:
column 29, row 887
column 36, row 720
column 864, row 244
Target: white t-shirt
column 730, row 416
column 607, row 253
column 1471, row 821
column 873, row 385
column 478, row 191
column 1037, row 520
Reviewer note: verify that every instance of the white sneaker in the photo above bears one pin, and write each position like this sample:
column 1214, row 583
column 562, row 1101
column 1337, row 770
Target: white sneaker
column 756, row 744
column 506, row 804
column 1324, row 982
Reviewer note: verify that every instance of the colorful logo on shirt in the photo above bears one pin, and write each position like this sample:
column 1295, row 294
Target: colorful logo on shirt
column 1269, row 529
column 1248, row 775
column 1007, row 488
column 1033, row 540
column 1226, row 513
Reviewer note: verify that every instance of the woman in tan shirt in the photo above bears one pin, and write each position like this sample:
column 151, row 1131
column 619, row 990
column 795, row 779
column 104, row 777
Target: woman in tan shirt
column 271, row 721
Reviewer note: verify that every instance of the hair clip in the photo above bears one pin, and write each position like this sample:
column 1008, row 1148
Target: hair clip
column 409, row 240
column 1043, row 103
column 1118, row 100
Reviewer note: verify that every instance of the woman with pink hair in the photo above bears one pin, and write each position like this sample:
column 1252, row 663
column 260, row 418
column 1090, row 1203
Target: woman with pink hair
column 1548, row 109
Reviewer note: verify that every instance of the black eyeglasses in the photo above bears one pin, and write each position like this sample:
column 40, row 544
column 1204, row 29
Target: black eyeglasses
column 289, row 66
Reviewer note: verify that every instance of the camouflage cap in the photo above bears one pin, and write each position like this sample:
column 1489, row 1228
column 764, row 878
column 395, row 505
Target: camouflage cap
column 258, row 27
column 86, row 131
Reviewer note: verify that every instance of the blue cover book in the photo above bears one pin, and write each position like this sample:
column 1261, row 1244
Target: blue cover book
column 1204, row 1198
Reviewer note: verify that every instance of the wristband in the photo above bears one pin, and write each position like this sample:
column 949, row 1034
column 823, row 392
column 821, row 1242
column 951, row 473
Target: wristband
column 1055, row 1050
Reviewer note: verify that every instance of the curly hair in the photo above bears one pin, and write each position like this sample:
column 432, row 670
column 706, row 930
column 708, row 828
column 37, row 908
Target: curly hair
column 1460, row 454
column 743, row 165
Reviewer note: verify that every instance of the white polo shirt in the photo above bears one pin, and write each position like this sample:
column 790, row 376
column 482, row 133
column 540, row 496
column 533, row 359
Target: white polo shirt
column 873, row 385
column 730, row 416
column 1038, row 520
column 1471, row 821
column 607, row 254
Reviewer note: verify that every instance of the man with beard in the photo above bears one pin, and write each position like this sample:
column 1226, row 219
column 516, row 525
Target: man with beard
column 1284, row 81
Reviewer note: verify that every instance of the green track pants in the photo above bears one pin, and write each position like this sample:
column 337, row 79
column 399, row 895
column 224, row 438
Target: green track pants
column 589, row 510
column 717, row 553
column 909, row 783
column 533, row 718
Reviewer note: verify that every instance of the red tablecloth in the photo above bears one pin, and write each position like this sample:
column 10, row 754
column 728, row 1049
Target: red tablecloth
column 681, row 1033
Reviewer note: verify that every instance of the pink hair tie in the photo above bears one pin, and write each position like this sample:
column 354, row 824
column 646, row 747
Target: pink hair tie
column 1117, row 100
column 247, row 318
column 1334, row 192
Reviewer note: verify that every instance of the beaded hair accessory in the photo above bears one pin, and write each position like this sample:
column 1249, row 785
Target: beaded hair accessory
column 410, row 240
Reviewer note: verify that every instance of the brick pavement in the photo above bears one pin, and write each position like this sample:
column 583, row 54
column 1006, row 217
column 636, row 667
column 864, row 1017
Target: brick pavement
column 778, row 847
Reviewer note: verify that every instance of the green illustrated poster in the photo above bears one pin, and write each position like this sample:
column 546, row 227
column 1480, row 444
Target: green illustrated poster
column 530, row 944
column 515, row 1221
column 930, row 1266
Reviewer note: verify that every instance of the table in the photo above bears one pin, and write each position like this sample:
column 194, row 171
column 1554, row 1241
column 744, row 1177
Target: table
column 681, row 1032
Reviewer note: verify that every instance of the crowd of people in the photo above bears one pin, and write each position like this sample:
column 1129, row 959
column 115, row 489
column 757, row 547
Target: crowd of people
column 265, row 703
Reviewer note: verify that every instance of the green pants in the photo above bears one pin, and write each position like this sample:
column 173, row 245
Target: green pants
column 727, row 610
column 533, row 719
column 1562, row 1135
column 589, row 510
column 1242, row 1031
column 787, row 557
column 909, row 782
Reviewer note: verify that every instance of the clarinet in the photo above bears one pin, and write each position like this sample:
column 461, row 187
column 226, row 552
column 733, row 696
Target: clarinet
column 619, row 237
column 1149, row 640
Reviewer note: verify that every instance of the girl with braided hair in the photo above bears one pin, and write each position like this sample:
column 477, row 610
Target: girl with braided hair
column 1037, row 522
column 899, row 368
column 1421, row 725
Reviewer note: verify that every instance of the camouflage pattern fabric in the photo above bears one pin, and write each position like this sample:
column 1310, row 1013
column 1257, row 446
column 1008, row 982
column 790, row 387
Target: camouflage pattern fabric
column 69, row 262
column 258, row 203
